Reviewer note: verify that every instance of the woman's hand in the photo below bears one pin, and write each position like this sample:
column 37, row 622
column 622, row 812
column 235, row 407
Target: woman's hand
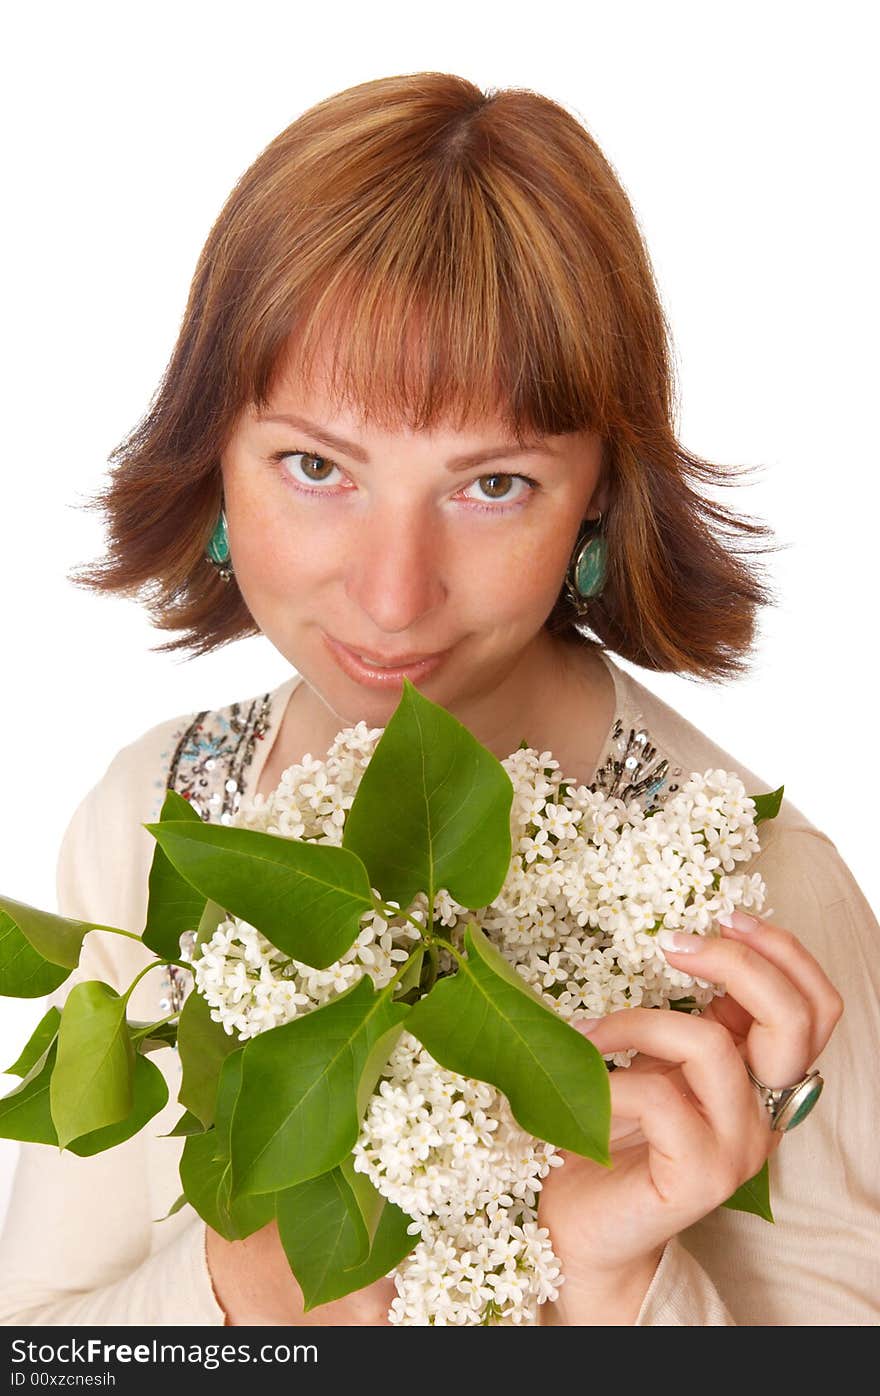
column 254, row 1284
column 688, row 1127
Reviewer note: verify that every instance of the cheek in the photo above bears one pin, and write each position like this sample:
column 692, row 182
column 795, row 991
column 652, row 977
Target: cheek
column 275, row 560
column 519, row 581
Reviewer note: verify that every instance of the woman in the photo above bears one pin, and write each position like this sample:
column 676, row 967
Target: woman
column 418, row 422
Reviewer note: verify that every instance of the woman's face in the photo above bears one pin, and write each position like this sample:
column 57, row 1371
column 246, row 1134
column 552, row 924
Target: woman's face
column 402, row 544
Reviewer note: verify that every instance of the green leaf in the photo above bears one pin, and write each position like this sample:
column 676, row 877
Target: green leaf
column 409, row 981
column 391, row 1244
column 203, row 1046
column 432, row 809
column 24, row 972
column 159, row 1035
column 149, row 1096
column 200, row 1174
column 24, row 1112
column 243, row 1214
column 186, row 1125
column 366, row 1202
column 212, row 915
column 375, row 1060
column 320, row 1234
column 364, row 1196
column 753, row 1195
column 297, row 1114
column 205, row 1169
column 306, row 898
column 174, row 905
column 37, row 1045
column 767, row 806
column 485, row 1022
column 57, row 939
column 92, row 1080
column 175, row 1207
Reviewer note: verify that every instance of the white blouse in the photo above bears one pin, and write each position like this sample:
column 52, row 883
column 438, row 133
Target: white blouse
column 84, row 1243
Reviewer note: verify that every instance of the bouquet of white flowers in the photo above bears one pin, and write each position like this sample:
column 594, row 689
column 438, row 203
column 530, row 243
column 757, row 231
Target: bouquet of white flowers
column 591, row 881
column 387, row 956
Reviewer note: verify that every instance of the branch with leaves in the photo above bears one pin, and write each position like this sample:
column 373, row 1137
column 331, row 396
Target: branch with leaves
column 270, row 1123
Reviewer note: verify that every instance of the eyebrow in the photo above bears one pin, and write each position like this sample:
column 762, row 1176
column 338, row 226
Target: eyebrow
column 351, row 448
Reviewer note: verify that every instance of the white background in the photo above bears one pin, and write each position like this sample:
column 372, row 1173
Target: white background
column 745, row 135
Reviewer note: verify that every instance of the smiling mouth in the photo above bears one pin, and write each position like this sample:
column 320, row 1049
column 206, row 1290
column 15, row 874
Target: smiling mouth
column 363, row 666
column 400, row 661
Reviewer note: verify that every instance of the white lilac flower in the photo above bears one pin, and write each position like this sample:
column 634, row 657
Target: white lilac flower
column 591, row 880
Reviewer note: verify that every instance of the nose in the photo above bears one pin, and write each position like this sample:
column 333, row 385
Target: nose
column 394, row 571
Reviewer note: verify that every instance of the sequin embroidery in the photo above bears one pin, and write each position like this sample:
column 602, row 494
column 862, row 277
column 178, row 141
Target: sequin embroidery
column 214, row 752
column 633, row 769
column 211, row 756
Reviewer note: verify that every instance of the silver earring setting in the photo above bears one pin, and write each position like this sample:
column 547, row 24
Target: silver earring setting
column 585, row 577
column 218, row 549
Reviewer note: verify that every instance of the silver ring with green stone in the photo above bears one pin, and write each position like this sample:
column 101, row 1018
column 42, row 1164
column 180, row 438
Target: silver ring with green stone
column 789, row 1105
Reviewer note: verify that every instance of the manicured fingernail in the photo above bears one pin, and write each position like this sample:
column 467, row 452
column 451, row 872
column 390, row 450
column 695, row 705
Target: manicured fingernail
column 587, row 1025
column 739, row 921
column 679, row 941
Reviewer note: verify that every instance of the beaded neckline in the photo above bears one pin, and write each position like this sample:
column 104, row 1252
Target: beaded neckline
column 214, row 758
column 213, row 754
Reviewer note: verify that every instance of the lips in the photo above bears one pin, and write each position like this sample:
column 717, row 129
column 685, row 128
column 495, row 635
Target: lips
column 386, row 672
column 385, row 661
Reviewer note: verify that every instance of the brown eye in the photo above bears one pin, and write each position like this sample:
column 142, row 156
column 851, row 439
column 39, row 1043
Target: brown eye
column 502, row 490
column 304, row 467
column 314, row 467
column 499, row 485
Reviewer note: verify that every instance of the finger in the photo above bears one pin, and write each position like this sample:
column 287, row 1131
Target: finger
column 666, row 1120
column 724, row 1009
column 780, row 1040
column 708, row 1059
column 783, row 949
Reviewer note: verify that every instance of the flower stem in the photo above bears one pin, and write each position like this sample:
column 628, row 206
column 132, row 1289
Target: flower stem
column 115, row 930
column 436, row 940
column 146, row 970
column 151, row 1027
column 390, row 912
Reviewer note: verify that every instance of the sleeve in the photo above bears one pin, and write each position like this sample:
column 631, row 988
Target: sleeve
column 681, row 1295
column 82, row 1243
column 816, row 1264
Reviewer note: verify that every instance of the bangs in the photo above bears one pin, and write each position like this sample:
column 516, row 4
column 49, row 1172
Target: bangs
column 455, row 318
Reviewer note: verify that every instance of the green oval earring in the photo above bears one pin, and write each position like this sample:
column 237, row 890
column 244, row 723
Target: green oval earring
column 218, row 549
column 586, row 576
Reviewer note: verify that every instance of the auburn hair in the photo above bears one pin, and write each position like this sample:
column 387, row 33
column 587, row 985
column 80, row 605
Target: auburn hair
column 460, row 252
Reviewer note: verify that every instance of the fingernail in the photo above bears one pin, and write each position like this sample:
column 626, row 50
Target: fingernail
column 679, row 941
column 587, row 1025
column 739, row 921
